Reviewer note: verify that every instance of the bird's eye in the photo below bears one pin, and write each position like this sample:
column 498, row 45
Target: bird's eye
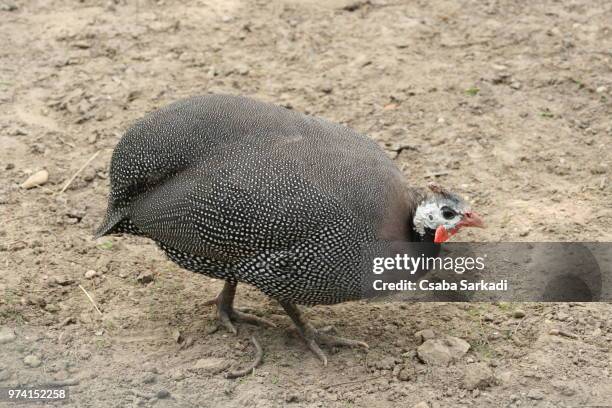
column 448, row 213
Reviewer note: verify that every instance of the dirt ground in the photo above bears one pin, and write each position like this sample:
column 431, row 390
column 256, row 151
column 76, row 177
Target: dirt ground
column 508, row 102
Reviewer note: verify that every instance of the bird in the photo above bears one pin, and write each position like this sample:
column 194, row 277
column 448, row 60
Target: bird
column 251, row 192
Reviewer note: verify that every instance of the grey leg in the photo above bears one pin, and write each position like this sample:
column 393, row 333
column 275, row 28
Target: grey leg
column 226, row 312
column 311, row 335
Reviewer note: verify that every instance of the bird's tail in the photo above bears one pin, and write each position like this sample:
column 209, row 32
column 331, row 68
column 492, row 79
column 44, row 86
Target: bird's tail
column 123, row 226
column 109, row 225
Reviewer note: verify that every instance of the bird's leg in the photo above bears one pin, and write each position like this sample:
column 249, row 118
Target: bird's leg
column 226, row 312
column 313, row 336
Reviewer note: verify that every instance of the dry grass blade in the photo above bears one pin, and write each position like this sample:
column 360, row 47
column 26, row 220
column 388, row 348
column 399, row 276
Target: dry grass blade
column 74, row 176
column 90, row 299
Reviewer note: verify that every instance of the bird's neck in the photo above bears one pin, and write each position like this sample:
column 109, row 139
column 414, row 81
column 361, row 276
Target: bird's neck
column 417, row 196
column 428, row 235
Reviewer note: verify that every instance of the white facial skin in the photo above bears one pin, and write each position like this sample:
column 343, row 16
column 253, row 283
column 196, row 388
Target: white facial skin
column 438, row 211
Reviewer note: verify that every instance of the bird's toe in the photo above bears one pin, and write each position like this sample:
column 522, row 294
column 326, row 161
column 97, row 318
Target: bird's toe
column 250, row 318
column 340, row 341
column 314, row 347
column 226, row 321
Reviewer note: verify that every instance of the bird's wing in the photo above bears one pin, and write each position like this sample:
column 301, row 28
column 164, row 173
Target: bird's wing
column 319, row 269
column 227, row 214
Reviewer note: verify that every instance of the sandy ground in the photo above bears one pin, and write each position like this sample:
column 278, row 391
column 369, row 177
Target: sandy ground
column 508, row 102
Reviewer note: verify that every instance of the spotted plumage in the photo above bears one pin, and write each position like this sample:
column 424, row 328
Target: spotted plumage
column 241, row 190
column 250, row 192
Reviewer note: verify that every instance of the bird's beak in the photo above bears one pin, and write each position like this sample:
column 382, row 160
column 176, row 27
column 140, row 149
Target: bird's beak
column 471, row 219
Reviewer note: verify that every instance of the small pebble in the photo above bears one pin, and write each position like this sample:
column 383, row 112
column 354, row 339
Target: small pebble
column 291, row 397
column 535, row 395
column 478, row 376
column 519, row 313
column 63, row 280
column 90, row 274
column 162, row 394
column 424, row 335
column 82, row 45
column 145, row 277
column 37, row 179
column 601, row 89
column 89, row 174
column 443, row 351
column 32, row 361
column 327, row 88
column 242, row 69
column 8, row 7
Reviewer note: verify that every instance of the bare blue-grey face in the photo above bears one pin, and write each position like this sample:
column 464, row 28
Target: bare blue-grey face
column 445, row 213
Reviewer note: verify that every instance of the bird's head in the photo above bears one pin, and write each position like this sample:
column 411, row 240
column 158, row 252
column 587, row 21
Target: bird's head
column 441, row 214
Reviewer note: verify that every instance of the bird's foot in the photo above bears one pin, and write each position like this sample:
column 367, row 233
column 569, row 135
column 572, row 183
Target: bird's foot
column 313, row 336
column 227, row 317
column 227, row 314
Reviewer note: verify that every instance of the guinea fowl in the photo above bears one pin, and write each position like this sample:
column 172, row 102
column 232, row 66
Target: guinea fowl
column 250, row 192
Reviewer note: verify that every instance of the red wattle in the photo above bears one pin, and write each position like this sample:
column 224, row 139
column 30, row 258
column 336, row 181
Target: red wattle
column 441, row 235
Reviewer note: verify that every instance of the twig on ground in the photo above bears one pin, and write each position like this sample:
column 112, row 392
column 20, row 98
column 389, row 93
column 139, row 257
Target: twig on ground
column 568, row 334
column 436, row 174
column 63, row 383
column 517, row 327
